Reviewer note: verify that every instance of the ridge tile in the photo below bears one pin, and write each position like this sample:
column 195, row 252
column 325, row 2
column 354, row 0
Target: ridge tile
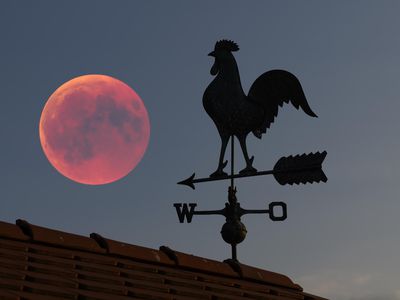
column 12, row 231
column 58, row 238
column 131, row 251
column 199, row 263
column 252, row 273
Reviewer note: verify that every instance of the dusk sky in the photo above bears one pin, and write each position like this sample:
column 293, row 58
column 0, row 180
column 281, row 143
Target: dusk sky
column 341, row 239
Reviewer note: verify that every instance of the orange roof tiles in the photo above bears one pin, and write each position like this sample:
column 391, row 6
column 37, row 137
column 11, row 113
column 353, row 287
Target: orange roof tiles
column 40, row 263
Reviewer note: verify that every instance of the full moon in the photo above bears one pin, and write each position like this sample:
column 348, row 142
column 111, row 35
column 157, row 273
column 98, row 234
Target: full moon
column 94, row 129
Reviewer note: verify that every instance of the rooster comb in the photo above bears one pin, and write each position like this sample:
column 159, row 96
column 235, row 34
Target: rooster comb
column 226, row 45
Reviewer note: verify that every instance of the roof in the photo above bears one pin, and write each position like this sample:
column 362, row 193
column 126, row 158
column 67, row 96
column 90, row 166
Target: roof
column 41, row 263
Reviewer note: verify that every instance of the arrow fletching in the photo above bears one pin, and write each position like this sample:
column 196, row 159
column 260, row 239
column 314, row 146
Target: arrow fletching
column 305, row 168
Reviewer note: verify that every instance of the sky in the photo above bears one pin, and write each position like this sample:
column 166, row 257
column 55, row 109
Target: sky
column 341, row 239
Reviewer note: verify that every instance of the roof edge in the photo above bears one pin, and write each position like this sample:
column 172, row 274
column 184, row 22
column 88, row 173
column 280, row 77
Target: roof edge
column 131, row 251
column 58, row 238
column 12, row 231
column 197, row 263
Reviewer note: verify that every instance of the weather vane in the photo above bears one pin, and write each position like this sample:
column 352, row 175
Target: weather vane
column 237, row 115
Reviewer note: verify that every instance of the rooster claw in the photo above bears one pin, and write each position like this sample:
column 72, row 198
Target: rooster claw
column 249, row 169
column 220, row 172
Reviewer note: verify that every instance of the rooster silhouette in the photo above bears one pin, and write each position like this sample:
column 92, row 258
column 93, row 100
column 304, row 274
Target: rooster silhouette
column 236, row 114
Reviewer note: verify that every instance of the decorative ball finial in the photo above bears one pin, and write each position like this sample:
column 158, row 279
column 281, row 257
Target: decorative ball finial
column 233, row 232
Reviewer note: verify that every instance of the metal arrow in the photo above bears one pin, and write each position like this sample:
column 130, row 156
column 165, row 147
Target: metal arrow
column 305, row 168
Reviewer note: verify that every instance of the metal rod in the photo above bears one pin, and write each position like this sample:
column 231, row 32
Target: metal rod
column 269, row 172
column 234, row 253
column 232, row 161
column 233, row 246
column 255, row 211
column 209, row 212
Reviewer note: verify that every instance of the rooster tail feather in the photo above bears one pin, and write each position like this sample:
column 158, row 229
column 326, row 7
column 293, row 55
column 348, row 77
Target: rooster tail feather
column 300, row 100
column 271, row 90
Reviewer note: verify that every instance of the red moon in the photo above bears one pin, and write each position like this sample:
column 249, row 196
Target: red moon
column 94, row 129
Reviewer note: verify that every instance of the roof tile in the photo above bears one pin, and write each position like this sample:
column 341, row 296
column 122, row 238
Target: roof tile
column 252, row 273
column 22, row 295
column 58, row 238
column 12, row 231
column 198, row 263
column 8, row 295
column 131, row 251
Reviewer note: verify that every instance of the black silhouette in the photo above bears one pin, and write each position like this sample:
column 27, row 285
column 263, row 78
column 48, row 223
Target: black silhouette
column 299, row 169
column 236, row 114
column 233, row 231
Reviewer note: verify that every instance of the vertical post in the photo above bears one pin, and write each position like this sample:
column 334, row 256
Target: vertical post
column 234, row 253
column 233, row 246
column 232, row 160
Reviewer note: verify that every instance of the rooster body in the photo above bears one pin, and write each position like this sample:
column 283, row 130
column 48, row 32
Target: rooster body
column 236, row 114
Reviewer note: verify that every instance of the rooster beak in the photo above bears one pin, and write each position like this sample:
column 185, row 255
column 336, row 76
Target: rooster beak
column 212, row 53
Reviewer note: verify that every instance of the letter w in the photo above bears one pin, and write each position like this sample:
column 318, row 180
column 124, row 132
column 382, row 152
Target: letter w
column 184, row 212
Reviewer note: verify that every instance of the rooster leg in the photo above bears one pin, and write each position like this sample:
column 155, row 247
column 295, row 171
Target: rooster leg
column 221, row 164
column 249, row 161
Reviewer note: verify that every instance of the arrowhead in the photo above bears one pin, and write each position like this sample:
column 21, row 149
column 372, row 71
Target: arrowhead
column 188, row 181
